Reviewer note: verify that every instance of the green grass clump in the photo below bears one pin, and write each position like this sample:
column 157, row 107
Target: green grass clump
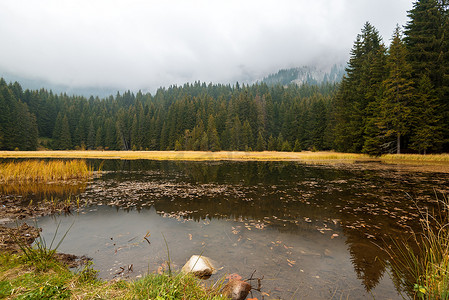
column 424, row 263
column 21, row 279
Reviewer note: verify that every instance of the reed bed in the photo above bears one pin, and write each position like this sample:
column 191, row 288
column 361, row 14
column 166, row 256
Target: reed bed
column 417, row 157
column 425, row 267
column 44, row 171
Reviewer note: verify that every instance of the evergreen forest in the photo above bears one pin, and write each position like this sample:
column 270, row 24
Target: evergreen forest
column 392, row 99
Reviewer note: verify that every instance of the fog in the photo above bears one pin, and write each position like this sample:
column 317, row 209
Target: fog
column 146, row 44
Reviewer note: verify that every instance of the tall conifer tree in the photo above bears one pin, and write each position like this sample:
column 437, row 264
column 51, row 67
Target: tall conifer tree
column 396, row 101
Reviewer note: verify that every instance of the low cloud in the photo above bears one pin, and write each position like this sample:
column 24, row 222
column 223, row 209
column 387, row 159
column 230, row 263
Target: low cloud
column 147, row 44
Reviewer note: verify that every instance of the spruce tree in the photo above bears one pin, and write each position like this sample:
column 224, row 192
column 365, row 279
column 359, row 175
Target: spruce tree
column 398, row 92
column 424, row 37
column 355, row 93
column 427, row 130
column 212, row 135
column 260, row 144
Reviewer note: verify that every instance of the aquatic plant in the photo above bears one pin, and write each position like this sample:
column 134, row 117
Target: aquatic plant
column 41, row 254
column 44, row 171
column 423, row 263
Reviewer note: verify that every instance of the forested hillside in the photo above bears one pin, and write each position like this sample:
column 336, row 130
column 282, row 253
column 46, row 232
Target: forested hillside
column 392, row 99
column 305, row 75
column 192, row 117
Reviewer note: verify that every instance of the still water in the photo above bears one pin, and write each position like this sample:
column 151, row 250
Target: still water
column 311, row 231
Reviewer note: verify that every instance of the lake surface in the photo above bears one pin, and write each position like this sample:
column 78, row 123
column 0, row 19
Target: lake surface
column 312, row 231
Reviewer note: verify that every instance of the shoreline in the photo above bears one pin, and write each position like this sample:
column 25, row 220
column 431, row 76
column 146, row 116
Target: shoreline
column 228, row 156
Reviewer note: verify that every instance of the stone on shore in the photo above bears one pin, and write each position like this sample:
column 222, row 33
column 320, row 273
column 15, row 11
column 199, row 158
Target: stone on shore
column 236, row 289
column 200, row 266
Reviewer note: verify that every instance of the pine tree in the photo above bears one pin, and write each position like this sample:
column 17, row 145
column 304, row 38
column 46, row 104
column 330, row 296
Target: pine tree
column 297, row 146
column 247, row 137
column 355, row 93
column 272, row 143
column 427, row 132
column 286, row 147
column 91, row 136
column 99, row 140
column 398, row 92
column 204, row 143
column 260, row 144
column 61, row 133
column 424, row 37
column 212, row 135
column 279, row 142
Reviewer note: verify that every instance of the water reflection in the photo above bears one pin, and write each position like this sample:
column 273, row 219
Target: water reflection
column 39, row 190
column 327, row 214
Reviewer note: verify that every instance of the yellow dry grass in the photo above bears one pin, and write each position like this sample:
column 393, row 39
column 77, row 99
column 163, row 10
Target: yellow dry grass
column 186, row 155
column 44, row 171
column 226, row 155
column 417, row 157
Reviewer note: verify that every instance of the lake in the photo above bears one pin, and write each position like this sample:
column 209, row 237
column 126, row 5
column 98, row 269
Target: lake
column 312, row 231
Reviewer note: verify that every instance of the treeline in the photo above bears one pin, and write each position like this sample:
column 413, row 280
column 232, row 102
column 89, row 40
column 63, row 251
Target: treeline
column 392, row 99
column 397, row 99
column 192, row 117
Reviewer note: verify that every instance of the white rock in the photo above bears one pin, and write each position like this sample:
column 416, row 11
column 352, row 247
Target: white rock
column 200, row 266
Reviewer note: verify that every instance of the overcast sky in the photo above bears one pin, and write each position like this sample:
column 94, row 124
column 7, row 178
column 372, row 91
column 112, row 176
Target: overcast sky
column 145, row 44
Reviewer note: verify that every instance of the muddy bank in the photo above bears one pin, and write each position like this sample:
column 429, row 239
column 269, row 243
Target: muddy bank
column 12, row 236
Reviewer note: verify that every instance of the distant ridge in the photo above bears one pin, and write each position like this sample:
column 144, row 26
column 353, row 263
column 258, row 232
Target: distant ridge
column 305, row 75
column 37, row 84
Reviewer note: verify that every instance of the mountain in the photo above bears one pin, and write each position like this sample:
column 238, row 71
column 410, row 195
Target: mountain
column 37, row 84
column 300, row 75
column 305, row 74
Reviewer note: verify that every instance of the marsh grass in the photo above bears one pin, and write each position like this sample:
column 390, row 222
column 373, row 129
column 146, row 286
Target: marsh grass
column 226, row 155
column 417, row 157
column 20, row 279
column 37, row 274
column 44, row 171
column 187, row 155
column 41, row 254
column 423, row 264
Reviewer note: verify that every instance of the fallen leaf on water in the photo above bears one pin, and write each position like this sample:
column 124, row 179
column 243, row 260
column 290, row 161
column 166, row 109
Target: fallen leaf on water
column 190, row 236
column 291, row 261
column 334, row 236
column 265, row 294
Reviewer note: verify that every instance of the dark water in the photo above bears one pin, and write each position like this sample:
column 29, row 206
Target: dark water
column 312, row 231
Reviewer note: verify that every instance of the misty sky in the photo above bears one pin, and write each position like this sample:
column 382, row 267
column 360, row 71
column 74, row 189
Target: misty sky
column 145, row 44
